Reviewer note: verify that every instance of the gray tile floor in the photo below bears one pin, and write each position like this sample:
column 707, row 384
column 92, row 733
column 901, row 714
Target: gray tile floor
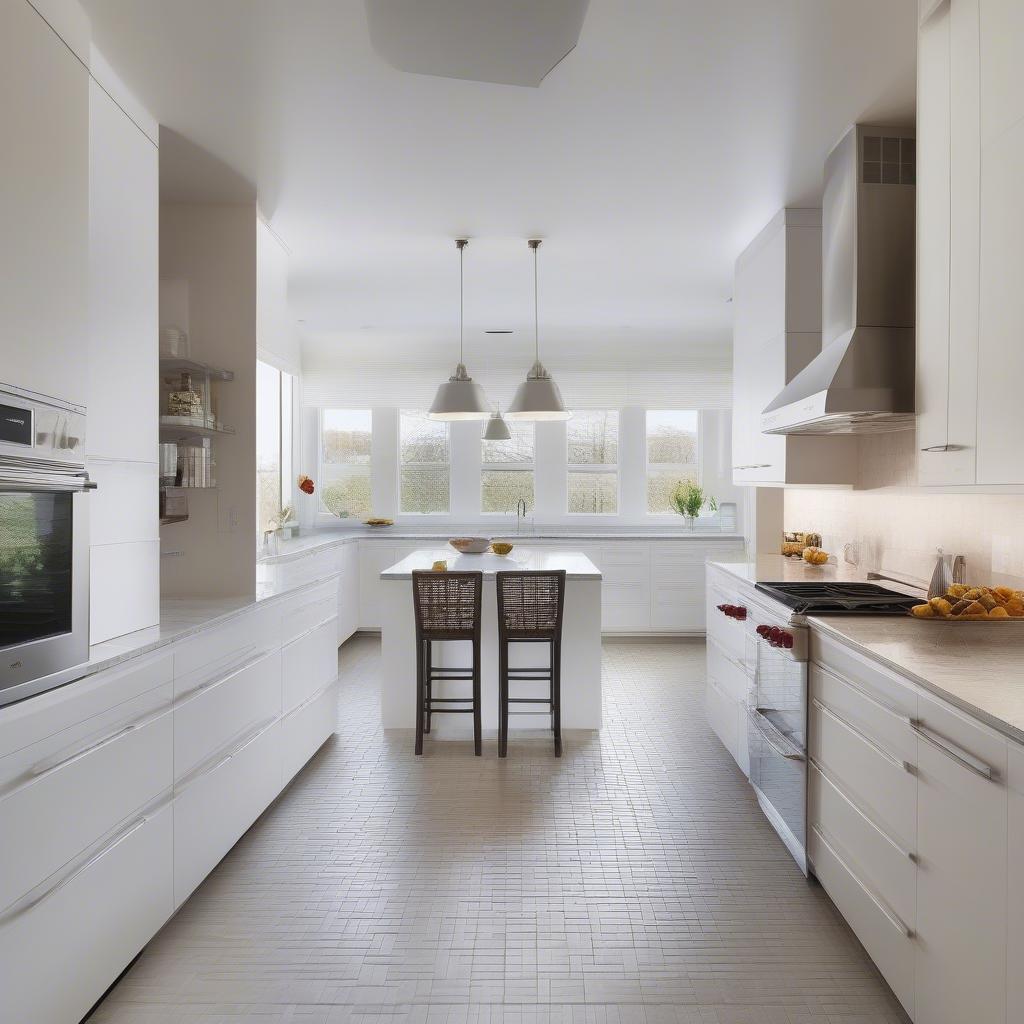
column 632, row 882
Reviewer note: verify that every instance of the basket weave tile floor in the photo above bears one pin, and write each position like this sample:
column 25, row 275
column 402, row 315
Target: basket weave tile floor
column 634, row 881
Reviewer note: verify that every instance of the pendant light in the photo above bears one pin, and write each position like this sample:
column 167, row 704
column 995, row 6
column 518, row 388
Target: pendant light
column 460, row 397
column 538, row 397
column 497, row 428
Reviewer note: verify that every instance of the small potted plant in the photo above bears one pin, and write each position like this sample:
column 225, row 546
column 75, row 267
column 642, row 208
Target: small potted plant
column 689, row 499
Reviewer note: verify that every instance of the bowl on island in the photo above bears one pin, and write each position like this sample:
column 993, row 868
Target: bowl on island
column 470, row 545
column 501, row 547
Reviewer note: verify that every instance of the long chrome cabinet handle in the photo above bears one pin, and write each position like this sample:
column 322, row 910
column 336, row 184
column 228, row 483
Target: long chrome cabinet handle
column 904, row 765
column 221, row 674
column 951, row 750
column 218, row 761
column 755, row 465
column 912, row 857
column 312, row 700
column 24, row 906
column 870, row 697
column 897, row 923
column 774, row 737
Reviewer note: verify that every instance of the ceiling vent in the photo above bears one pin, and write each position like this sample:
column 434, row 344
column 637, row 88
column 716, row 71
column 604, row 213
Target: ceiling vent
column 478, row 40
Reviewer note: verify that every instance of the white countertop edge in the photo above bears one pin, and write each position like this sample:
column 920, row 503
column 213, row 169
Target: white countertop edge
column 575, row 563
column 309, row 543
column 180, row 619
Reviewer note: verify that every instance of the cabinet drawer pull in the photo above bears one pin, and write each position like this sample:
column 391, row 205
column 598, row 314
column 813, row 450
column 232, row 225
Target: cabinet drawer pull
column 311, row 700
column 912, row 857
column 249, row 737
column 951, row 750
column 892, row 918
column 115, row 841
column 904, row 765
column 774, row 737
column 870, row 697
column 755, row 465
column 945, row 448
column 230, row 669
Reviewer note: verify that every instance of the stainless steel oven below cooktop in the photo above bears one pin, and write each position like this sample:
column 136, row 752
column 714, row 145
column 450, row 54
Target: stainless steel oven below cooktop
column 829, row 598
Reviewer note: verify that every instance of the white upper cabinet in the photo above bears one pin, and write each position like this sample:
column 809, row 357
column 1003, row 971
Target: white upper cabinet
column 970, row 222
column 44, row 207
column 776, row 333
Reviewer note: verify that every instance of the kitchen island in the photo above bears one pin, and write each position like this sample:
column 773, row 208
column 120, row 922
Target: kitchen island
column 581, row 640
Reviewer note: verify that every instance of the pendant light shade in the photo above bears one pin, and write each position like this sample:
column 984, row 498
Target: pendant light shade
column 460, row 397
column 538, row 398
column 497, row 428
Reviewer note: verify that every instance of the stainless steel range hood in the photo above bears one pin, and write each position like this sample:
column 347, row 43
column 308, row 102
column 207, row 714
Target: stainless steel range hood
column 863, row 379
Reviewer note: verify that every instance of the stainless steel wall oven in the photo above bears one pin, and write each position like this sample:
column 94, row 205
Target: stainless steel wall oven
column 44, row 544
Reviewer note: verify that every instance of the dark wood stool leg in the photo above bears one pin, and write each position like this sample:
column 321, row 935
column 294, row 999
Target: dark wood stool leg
column 429, row 659
column 556, row 694
column 502, row 700
column 477, row 725
column 420, row 693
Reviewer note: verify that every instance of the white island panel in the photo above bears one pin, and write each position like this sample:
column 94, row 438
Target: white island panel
column 581, row 642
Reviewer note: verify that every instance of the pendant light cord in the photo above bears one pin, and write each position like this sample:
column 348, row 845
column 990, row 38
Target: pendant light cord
column 534, row 244
column 462, row 312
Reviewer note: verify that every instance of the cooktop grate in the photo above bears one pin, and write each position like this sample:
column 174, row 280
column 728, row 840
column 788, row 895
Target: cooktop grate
column 827, row 598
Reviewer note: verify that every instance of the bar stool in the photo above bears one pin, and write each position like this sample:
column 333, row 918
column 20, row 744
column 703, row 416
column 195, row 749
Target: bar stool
column 447, row 607
column 530, row 606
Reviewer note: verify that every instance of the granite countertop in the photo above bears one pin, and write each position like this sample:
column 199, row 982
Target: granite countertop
column 576, row 564
column 306, row 543
column 973, row 665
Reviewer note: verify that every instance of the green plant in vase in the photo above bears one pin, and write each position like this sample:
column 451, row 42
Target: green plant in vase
column 689, row 499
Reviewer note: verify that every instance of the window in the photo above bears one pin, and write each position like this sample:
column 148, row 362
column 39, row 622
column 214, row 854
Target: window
column 593, row 454
column 423, row 464
column 507, row 471
column 345, row 437
column 274, row 392
column 671, row 456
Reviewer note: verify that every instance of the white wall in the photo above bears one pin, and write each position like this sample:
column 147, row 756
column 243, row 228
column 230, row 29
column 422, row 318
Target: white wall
column 122, row 371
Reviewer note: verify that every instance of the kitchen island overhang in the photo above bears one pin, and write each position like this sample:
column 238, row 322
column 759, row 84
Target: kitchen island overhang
column 581, row 640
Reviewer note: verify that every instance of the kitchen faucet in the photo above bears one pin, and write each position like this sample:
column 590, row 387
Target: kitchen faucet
column 521, row 511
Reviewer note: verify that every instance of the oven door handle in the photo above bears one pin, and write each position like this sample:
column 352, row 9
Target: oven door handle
column 774, row 737
column 54, row 481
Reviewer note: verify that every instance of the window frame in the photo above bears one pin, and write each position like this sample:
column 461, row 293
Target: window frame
column 286, row 435
column 508, row 467
column 597, row 467
column 669, row 516
column 339, row 470
column 400, row 465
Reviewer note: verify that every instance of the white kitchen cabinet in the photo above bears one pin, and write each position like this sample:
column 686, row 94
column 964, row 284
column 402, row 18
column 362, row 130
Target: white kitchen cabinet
column 777, row 331
column 374, row 558
column 60, row 953
column 1015, row 886
column 962, row 870
column 44, row 208
column 348, row 592
column 305, row 728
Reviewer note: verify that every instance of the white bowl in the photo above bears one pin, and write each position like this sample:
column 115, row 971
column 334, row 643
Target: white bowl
column 470, row 545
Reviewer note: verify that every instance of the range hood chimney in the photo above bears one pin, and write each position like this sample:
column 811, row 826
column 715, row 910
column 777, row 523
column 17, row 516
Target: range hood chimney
column 862, row 381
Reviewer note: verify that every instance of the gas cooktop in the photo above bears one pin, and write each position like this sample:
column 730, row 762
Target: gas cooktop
column 839, row 598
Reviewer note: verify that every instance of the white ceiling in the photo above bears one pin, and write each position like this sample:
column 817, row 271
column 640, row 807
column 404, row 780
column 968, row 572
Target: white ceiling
column 647, row 159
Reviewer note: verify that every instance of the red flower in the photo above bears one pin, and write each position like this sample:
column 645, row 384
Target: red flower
column 306, row 484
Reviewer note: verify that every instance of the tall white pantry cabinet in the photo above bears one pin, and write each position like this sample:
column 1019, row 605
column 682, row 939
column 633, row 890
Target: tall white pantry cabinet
column 970, row 362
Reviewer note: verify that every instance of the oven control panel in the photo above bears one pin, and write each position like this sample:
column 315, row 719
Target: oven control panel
column 36, row 427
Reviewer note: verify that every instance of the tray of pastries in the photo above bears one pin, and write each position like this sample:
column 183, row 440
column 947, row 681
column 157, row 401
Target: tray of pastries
column 963, row 603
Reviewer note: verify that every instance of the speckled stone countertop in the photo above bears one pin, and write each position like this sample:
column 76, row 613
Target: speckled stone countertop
column 306, row 543
column 976, row 666
column 183, row 618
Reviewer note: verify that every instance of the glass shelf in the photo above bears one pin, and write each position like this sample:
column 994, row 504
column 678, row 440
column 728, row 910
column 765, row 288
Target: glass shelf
column 175, row 427
column 173, row 364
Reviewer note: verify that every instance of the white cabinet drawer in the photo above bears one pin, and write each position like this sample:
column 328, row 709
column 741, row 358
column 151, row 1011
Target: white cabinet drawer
column 60, row 955
column 722, row 716
column 883, row 934
column 219, row 803
column 308, row 610
column 730, row 676
column 624, row 554
column 727, row 632
column 625, row 606
column 886, row 720
column 877, row 780
column 882, row 863
column 309, row 664
column 305, row 729
column 677, row 607
column 867, row 675
column 64, row 792
column 962, row 740
column 215, row 652
column 219, row 714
